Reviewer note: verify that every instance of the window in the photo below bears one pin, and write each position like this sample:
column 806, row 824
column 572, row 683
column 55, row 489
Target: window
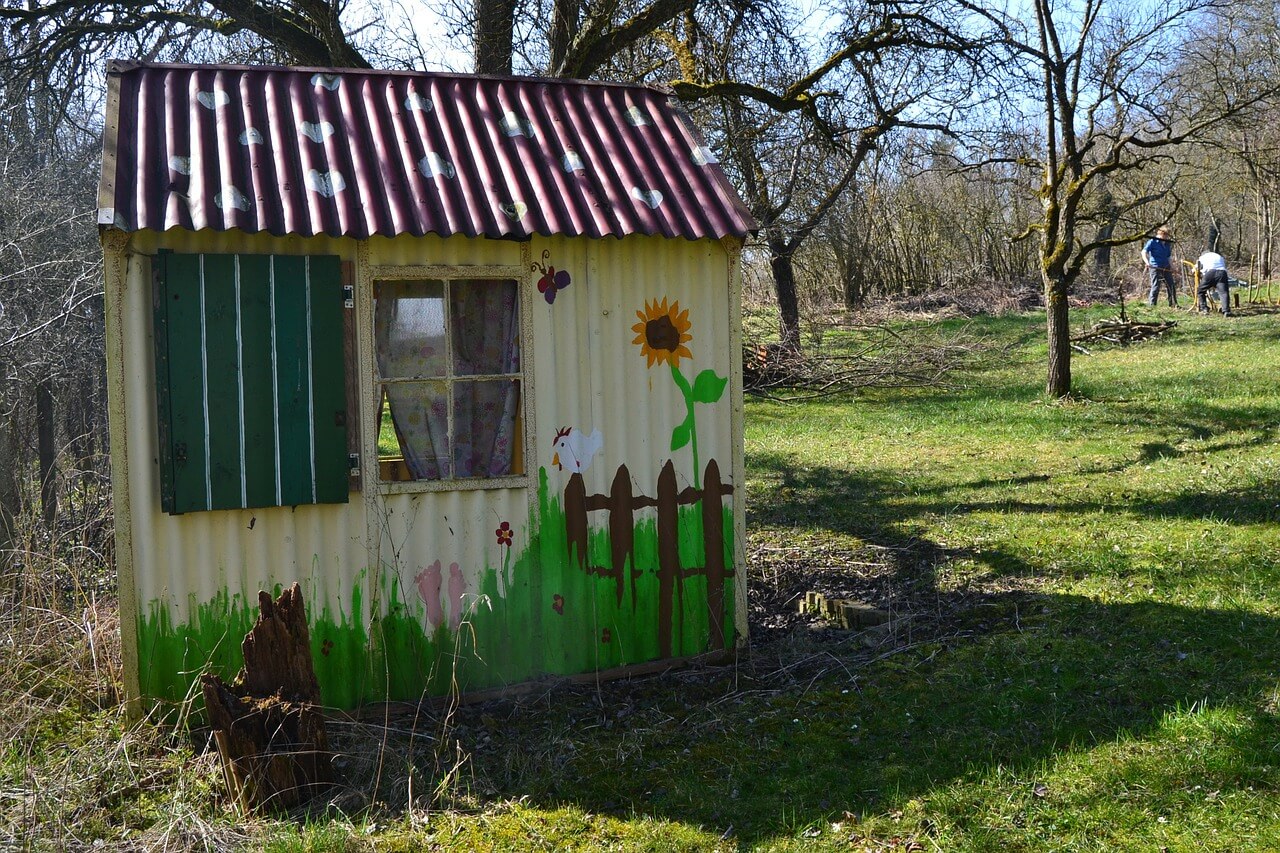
column 449, row 379
column 250, row 381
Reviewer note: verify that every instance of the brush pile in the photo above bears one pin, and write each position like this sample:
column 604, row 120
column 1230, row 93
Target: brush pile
column 1121, row 331
column 856, row 357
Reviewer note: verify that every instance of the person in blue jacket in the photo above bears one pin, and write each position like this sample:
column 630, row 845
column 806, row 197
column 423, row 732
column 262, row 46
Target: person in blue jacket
column 1158, row 256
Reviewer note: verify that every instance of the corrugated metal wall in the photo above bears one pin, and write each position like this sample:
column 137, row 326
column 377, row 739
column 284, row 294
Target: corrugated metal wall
column 369, row 563
column 592, row 376
column 189, row 569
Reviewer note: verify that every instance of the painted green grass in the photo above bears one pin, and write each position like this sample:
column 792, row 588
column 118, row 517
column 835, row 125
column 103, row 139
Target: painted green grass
column 1110, row 679
column 511, row 632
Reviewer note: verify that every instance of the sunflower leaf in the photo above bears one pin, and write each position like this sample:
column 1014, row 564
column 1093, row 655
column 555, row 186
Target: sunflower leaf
column 682, row 435
column 708, row 387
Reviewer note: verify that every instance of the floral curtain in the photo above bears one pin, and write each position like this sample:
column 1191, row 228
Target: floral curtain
column 486, row 335
column 410, row 343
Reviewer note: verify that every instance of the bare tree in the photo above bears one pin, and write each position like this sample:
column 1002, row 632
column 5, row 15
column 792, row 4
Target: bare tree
column 50, row 306
column 1111, row 87
column 61, row 33
column 917, row 222
column 795, row 130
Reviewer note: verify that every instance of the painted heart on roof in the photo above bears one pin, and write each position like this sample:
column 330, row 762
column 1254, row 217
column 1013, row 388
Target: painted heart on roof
column 180, row 164
column 418, row 102
column 328, row 81
column 252, row 136
column 213, row 100
column 703, row 156
column 572, row 161
column 515, row 125
column 328, row 184
column 316, row 132
column 433, row 164
column 637, row 117
column 231, row 197
column 515, row 210
column 652, row 198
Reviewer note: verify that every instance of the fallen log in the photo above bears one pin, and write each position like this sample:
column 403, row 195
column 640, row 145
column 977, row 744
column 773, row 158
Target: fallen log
column 267, row 726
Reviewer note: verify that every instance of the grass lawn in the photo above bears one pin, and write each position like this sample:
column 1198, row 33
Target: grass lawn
column 1086, row 654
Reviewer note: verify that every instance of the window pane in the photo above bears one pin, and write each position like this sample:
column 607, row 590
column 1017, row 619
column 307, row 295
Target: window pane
column 486, row 327
column 420, row 418
column 486, row 423
column 408, row 320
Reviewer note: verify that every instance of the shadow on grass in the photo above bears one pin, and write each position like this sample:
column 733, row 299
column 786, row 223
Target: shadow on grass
column 767, row 758
column 1015, row 682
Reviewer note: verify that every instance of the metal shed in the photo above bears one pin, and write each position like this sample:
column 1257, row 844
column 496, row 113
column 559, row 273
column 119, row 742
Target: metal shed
column 457, row 354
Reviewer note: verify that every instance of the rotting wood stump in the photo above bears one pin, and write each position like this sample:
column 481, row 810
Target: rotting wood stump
column 848, row 614
column 269, row 731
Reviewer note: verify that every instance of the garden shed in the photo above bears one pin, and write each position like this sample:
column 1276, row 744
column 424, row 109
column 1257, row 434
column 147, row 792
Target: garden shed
column 458, row 354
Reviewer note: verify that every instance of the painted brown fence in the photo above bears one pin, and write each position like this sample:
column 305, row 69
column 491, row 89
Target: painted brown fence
column 621, row 504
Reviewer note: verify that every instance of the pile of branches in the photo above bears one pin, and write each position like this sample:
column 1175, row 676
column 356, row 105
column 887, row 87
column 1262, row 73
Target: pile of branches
column 1120, row 331
column 861, row 357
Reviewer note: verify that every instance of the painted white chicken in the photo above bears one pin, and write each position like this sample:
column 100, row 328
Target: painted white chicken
column 574, row 449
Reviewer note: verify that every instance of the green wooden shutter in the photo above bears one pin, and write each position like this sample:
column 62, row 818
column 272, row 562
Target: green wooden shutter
column 250, row 380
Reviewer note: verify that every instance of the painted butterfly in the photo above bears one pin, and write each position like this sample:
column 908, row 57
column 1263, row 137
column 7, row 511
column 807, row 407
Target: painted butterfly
column 552, row 281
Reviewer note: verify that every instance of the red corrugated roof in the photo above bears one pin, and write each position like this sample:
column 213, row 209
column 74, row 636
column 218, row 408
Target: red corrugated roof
column 358, row 153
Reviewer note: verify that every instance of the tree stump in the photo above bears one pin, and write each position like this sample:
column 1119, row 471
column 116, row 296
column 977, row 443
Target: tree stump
column 269, row 732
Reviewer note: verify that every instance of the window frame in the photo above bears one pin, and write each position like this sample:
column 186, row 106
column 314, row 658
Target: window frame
column 370, row 418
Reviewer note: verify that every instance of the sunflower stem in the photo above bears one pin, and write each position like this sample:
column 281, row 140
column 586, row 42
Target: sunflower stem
column 687, row 390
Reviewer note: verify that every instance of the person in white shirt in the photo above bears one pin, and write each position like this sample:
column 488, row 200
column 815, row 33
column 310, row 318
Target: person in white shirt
column 1213, row 276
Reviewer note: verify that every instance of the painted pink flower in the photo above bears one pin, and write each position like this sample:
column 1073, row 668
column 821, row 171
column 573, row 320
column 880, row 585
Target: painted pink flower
column 557, row 603
column 505, row 534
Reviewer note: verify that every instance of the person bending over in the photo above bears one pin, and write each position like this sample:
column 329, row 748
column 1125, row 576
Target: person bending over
column 1213, row 276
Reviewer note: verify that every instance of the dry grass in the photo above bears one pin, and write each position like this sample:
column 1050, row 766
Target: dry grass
column 74, row 770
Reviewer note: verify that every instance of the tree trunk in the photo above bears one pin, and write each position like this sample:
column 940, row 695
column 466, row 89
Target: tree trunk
column 270, row 735
column 47, row 449
column 855, row 286
column 1102, row 257
column 564, row 26
column 1055, row 297
column 784, row 285
column 10, row 462
column 495, row 36
column 87, row 424
column 1264, row 249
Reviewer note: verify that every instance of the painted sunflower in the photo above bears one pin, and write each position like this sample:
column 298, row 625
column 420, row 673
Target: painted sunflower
column 663, row 332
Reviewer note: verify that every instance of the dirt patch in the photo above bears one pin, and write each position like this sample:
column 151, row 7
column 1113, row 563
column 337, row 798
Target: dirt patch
column 902, row 581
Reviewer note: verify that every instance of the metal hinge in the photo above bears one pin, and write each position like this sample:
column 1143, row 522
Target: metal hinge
column 353, row 464
column 348, row 296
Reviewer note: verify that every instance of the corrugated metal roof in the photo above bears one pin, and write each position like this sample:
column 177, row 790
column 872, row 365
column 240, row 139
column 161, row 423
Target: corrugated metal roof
column 357, row 153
